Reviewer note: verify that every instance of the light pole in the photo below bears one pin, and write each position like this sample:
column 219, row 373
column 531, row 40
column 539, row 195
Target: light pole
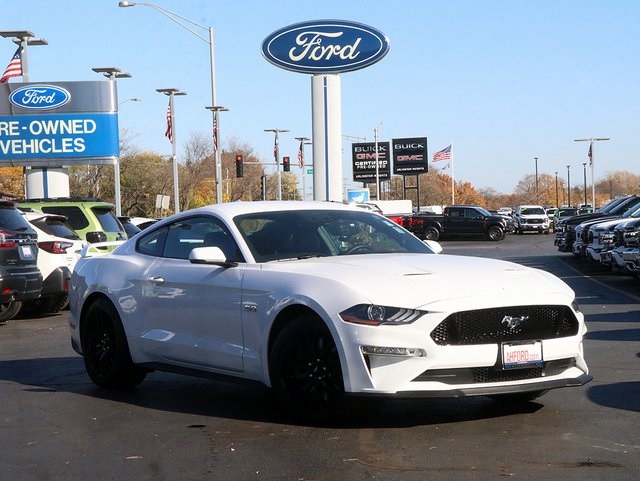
column 537, row 192
column 591, row 162
column 303, row 141
column 113, row 73
column 557, row 204
column 23, row 38
column 584, row 170
column 568, row 186
column 375, row 140
column 216, row 148
column 174, row 17
column 276, row 154
column 172, row 92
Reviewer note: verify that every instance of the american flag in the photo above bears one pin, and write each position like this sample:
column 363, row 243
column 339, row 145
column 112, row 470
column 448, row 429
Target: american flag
column 301, row 155
column 169, row 132
column 14, row 69
column 275, row 149
column 444, row 154
column 590, row 154
column 215, row 134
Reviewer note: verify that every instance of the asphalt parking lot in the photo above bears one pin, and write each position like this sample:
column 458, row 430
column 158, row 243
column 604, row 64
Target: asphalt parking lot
column 56, row 424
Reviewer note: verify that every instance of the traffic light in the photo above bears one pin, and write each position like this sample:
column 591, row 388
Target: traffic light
column 239, row 167
column 286, row 165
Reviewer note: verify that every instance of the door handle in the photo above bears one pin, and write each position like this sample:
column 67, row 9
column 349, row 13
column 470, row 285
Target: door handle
column 158, row 281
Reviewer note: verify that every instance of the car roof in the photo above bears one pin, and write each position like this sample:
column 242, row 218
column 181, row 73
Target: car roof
column 229, row 210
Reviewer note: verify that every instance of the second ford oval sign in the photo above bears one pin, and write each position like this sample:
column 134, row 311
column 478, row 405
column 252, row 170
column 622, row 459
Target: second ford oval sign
column 325, row 46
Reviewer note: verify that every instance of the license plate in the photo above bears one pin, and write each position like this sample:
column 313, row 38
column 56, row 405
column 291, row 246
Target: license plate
column 26, row 252
column 518, row 355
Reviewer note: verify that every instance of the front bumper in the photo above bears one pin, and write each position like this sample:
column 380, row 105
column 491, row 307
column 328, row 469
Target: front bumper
column 627, row 258
column 448, row 370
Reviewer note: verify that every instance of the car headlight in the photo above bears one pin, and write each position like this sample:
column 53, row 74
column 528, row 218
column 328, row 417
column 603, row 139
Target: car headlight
column 374, row 315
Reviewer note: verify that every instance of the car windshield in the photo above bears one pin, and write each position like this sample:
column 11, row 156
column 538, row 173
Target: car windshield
column 281, row 235
column 532, row 211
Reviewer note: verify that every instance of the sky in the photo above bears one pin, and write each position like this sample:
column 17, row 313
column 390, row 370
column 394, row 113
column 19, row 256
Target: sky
column 503, row 81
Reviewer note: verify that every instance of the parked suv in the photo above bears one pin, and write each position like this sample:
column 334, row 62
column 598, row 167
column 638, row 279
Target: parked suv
column 531, row 218
column 59, row 249
column 92, row 220
column 20, row 278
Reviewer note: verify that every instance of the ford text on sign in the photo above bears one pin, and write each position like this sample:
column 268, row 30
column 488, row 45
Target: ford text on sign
column 61, row 136
column 325, row 46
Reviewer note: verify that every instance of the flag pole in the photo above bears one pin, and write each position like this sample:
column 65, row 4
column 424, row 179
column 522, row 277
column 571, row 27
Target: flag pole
column 453, row 182
column 593, row 183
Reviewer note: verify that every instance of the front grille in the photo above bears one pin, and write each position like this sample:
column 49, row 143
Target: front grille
column 490, row 326
column 495, row 373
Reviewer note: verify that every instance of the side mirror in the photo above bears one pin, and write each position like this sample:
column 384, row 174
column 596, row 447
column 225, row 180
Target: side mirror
column 97, row 236
column 433, row 245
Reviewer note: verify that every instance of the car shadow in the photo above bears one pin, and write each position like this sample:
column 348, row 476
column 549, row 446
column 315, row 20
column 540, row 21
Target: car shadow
column 243, row 401
column 621, row 395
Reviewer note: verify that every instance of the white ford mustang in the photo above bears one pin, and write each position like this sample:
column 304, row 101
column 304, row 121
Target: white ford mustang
column 318, row 300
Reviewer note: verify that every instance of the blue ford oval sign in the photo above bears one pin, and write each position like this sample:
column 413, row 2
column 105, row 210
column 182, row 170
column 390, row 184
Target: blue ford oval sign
column 40, row 97
column 325, row 46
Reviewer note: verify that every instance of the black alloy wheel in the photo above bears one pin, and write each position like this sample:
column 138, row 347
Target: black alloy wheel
column 106, row 353
column 305, row 367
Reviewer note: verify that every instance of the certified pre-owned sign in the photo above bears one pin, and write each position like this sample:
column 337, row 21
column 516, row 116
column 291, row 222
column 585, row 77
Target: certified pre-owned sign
column 325, row 46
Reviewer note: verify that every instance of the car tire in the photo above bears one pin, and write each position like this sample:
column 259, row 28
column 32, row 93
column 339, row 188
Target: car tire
column 9, row 310
column 45, row 305
column 105, row 351
column 495, row 233
column 305, row 369
column 431, row 233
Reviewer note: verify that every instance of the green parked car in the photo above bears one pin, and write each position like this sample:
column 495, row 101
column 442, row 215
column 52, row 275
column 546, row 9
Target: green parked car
column 93, row 221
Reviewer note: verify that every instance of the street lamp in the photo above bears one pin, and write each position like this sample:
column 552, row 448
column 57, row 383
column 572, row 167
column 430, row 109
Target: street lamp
column 303, row 141
column 216, row 147
column 557, row 204
column 591, row 162
column 172, row 92
column 23, row 38
column 174, row 18
column 134, row 99
column 568, row 186
column 537, row 194
column 113, row 73
column 276, row 154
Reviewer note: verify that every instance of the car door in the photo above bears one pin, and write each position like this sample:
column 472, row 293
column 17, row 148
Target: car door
column 455, row 220
column 193, row 312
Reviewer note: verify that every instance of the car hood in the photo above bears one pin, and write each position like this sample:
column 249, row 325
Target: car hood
column 414, row 280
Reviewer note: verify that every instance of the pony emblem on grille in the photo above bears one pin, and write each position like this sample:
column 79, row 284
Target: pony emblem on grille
column 513, row 322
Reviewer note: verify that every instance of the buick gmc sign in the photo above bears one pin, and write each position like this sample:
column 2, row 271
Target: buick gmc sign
column 40, row 97
column 325, row 46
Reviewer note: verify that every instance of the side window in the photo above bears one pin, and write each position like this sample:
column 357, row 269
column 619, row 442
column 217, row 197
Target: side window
column 153, row 243
column 187, row 234
column 75, row 217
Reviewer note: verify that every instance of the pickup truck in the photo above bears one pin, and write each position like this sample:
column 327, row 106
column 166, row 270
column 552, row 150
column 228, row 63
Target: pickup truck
column 457, row 220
